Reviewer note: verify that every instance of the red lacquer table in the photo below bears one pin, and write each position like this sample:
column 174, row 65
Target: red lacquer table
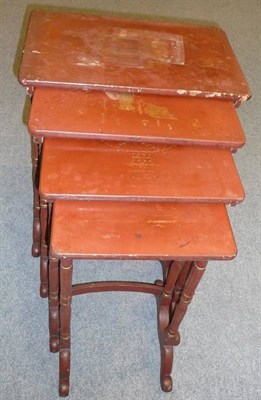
column 90, row 52
column 191, row 234
column 134, row 117
column 133, row 125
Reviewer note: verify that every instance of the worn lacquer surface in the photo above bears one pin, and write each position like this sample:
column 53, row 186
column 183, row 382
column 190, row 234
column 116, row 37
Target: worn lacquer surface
column 84, row 51
column 131, row 116
column 89, row 169
column 141, row 230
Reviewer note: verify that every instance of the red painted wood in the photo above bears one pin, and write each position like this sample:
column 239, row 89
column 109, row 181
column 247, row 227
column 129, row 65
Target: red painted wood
column 86, row 51
column 86, row 169
column 124, row 230
column 65, row 325
column 196, row 272
column 115, row 286
column 44, row 249
column 163, row 303
column 54, row 304
column 128, row 116
column 36, row 245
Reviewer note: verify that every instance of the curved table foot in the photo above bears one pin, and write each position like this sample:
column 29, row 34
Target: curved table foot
column 64, row 389
column 54, row 344
column 166, row 367
column 166, row 352
column 36, row 250
column 43, row 291
column 64, row 372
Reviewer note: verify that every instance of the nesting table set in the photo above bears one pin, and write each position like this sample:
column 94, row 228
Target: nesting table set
column 133, row 127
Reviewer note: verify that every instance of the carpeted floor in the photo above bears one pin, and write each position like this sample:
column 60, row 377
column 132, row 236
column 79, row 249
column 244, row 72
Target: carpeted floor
column 115, row 351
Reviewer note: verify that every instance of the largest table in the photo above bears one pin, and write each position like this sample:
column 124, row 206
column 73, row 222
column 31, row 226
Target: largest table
column 91, row 52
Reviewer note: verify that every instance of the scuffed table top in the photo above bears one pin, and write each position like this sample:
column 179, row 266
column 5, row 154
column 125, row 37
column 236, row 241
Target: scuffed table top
column 91, row 52
column 106, row 229
column 58, row 112
column 101, row 170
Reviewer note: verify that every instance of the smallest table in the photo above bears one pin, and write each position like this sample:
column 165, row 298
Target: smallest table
column 190, row 234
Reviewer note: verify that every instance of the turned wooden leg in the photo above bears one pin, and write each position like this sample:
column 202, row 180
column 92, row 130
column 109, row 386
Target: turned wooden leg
column 165, row 269
column 44, row 250
column 65, row 317
column 36, row 246
column 180, row 284
column 171, row 335
column 164, row 302
column 54, row 323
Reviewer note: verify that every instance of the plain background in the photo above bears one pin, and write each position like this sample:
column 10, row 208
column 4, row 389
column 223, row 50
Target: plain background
column 115, row 352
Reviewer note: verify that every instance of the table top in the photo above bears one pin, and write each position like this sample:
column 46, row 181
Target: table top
column 89, row 169
column 136, row 117
column 142, row 231
column 91, row 52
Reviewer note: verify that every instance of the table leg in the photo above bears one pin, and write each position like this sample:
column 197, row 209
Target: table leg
column 164, row 302
column 36, row 247
column 54, row 323
column 165, row 269
column 65, row 320
column 44, row 249
column 171, row 335
column 180, row 284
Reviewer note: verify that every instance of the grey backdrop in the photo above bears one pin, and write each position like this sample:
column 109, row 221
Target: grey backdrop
column 115, row 352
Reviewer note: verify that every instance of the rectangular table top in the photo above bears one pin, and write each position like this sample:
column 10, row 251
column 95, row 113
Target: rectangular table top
column 141, row 230
column 136, row 117
column 88, row 169
column 92, row 52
